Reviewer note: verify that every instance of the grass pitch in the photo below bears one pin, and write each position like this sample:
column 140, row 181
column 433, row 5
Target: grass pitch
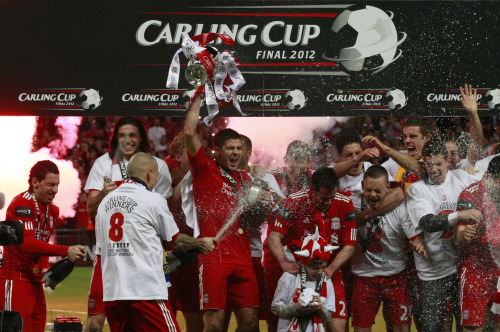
column 70, row 299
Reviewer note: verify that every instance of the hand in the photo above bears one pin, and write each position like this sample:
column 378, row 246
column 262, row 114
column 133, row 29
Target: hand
column 109, row 186
column 314, row 305
column 290, row 267
column 46, row 284
column 469, row 232
column 473, row 215
column 419, row 246
column 469, row 99
column 265, row 197
column 368, row 154
column 76, row 253
column 373, row 141
column 207, row 245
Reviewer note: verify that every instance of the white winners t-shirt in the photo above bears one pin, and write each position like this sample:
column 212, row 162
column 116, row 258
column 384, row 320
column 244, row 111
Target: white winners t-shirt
column 423, row 199
column 386, row 255
column 131, row 224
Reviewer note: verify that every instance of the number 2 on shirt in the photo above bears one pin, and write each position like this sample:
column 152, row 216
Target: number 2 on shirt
column 116, row 231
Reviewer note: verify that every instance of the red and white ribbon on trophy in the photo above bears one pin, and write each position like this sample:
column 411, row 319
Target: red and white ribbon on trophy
column 224, row 76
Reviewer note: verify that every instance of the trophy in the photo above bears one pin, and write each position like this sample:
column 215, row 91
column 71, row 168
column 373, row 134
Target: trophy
column 213, row 73
column 196, row 74
column 253, row 191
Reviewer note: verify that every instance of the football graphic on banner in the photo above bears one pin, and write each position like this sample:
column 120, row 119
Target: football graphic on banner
column 493, row 96
column 90, row 99
column 365, row 39
column 295, row 99
column 397, row 99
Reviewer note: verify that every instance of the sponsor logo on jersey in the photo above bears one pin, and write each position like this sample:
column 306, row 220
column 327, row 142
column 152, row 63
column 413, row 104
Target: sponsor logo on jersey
column 306, row 221
column 24, row 211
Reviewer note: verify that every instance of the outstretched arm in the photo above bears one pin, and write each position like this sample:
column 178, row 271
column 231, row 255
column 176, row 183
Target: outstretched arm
column 406, row 161
column 193, row 142
column 469, row 102
column 343, row 167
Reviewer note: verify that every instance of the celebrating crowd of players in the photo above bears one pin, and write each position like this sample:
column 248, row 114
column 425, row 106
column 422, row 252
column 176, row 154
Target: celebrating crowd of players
column 305, row 249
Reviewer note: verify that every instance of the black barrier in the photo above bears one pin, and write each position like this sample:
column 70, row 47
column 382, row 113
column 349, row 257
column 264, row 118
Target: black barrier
column 314, row 58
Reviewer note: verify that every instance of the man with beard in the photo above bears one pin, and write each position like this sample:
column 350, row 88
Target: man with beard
column 108, row 172
column 480, row 246
column 432, row 208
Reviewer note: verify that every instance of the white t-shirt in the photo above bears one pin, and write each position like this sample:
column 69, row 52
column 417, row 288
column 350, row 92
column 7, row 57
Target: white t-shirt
column 131, row 224
column 423, row 199
column 391, row 166
column 104, row 166
column 385, row 256
column 285, row 292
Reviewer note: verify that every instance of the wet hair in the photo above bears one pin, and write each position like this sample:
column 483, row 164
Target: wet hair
column 246, row 142
column 40, row 171
column 375, row 172
column 225, row 135
column 113, row 142
column 346, row 138
column 298, row 150
column 423, row 123
column 178, row 144
column 324, row 177
column 494, row 167
column 435, row 147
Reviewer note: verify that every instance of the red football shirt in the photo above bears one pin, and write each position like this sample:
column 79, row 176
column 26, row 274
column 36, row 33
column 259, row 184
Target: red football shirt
column 21, row 259
column 216, row 202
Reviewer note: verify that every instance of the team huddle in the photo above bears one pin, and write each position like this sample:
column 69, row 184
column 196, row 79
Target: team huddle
column 304, row 249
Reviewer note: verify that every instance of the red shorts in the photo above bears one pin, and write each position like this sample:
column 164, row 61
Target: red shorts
column 95, row 303
column 477, row 288
column 28, row 299
column 223, row 285
column 341, row 310
column 145, row 315
column 369, row 292
column 186, row 283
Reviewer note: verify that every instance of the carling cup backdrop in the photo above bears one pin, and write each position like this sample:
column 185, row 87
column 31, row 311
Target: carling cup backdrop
column 309, row 58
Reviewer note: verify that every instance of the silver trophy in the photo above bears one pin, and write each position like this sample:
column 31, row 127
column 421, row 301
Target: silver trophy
column 196, row 74
column 253, row 191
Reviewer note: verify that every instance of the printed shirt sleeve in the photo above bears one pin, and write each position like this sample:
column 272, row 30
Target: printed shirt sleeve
column 167, row 228
column 95, row 180
column 418, row 203
column 164, row 183
column 406, row 225
column 349, row 224
column 283, row 217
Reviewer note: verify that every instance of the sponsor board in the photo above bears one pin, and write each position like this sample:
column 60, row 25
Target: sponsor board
column 309, row 59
